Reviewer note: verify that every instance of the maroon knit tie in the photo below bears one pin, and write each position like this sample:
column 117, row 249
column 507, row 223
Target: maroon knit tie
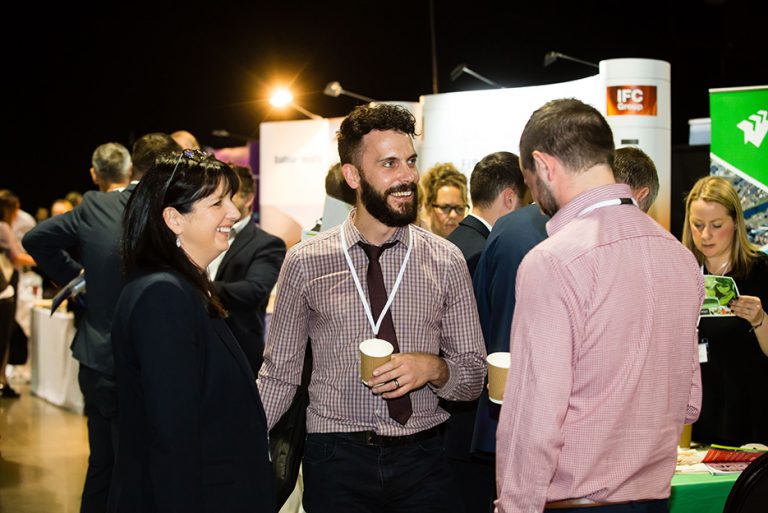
column 400, row 409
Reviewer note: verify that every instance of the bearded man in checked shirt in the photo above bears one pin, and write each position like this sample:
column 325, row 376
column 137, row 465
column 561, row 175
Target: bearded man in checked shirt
column 357, row 457
column 604, row 360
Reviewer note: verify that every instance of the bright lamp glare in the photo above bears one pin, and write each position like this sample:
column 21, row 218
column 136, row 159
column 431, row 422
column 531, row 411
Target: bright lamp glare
column 281, row 98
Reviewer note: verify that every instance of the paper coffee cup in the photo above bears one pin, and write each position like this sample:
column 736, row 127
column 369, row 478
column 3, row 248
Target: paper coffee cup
column 374, row 352
column 498, row 367
column 685, row 437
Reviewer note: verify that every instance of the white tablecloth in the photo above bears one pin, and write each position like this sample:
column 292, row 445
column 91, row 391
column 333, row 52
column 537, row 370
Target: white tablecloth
column 53, row 370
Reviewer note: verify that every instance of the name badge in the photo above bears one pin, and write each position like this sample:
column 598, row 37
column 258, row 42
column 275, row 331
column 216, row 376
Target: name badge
column 703, row 352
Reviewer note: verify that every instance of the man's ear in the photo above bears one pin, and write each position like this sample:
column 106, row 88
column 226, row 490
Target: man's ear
column 351, row 175
column 248, row 200
column 640, row 194
column 511, row 201
column 173, row 220
column 544, row 162
column 93, row 176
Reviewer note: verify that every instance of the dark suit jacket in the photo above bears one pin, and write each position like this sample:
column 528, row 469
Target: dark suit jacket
column 244, row 280
column 95, row 228
column 470, row 237
column 512, row 237
column 193, row 433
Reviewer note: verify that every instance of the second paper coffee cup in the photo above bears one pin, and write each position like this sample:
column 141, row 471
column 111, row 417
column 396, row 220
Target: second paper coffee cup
column 498, row 367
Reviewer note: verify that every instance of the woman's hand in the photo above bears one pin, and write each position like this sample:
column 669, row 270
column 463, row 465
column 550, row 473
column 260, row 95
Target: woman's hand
column 749, row 308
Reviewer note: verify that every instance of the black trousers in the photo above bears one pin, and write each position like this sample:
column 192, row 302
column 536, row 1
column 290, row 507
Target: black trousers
column 475, row 480
column 659, row 506
column 7, row 313
column 345, row 476
column 100, row 394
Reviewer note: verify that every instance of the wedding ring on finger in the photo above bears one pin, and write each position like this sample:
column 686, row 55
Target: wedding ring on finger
column 397, row 383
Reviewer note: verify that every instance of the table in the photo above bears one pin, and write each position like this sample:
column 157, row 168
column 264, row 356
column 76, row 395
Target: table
column 700, row 493
column 53, row 370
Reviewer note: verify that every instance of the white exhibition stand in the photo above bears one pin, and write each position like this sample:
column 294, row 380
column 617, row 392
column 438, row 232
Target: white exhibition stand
column 53, row 370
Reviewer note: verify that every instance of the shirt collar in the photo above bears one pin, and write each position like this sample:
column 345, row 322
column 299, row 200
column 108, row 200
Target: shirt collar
column 586, row 199
column 486, row 223
column 242, row 223
column 353, row 235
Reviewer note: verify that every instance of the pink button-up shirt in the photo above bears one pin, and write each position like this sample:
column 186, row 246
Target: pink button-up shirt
column 604, row 362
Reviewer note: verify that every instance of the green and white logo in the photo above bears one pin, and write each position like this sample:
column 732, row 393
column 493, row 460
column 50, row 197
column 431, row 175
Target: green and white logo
column 755, row 128
column 739, row 128
column 739, row 152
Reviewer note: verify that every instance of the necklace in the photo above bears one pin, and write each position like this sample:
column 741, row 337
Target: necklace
column 721, row 269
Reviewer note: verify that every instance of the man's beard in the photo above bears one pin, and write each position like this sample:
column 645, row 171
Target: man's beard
column 545, row 199
column 376, row 203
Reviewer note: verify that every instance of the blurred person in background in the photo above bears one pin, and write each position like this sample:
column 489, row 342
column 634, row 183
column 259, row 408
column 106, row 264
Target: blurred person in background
column 74, row 198
column 185, row 140
column 444, row 197
column 21, row 222
column 111, row 167
column 60, row 206
column 12, row 257
column 245, row 273
column 734, row 409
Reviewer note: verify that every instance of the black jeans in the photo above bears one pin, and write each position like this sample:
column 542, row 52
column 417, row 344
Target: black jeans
column 100, row 395
column 341, row 475
column 659, row 506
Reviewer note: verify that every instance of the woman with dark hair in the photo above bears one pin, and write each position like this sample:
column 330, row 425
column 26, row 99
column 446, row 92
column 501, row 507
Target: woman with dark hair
column 734, row 409
column 193, row 435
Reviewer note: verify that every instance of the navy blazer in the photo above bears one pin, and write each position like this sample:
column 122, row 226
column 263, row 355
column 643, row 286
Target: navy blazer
column 244, row 280
column 193, row 433
column 94, row 227
column 470, row 237
column 512, row 237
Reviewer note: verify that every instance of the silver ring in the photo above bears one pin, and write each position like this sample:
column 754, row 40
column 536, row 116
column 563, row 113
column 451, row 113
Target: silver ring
column 397, row 383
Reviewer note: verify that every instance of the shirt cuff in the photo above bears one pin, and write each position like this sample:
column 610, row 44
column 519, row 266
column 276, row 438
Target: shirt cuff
column 453, row 380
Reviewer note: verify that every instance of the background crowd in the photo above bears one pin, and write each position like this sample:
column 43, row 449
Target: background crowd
column 548, row 255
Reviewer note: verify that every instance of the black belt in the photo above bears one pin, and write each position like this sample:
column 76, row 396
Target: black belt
column 371, row 438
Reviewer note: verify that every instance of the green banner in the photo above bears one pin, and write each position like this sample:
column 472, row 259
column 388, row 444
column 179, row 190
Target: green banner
column 740, row 129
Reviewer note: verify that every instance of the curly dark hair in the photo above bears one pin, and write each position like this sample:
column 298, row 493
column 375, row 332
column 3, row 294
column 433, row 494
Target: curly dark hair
column 365, row 118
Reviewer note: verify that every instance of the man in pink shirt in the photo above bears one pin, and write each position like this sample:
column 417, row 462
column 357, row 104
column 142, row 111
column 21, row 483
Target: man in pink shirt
column 604, row 367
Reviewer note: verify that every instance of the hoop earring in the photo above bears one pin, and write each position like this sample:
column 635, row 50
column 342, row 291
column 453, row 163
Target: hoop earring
column 178, row 241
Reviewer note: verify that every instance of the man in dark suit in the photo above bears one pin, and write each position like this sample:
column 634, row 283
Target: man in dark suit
column 244, row 275
column 496, row 188
column 94, row 227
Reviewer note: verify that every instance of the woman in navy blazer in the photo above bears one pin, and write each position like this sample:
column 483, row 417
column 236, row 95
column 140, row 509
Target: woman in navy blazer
column 193, row 434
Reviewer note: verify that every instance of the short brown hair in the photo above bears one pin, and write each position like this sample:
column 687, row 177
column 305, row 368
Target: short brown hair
column 572, row 131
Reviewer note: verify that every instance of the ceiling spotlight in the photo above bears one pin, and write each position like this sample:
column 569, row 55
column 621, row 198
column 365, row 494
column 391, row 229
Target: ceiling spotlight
column 334, row 89
column 283, row 97
column 462, row 68
column 551, row 57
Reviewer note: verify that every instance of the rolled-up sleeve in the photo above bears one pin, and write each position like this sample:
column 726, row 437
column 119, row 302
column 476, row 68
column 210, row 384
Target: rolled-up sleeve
column 461, row 339
column 280, row 374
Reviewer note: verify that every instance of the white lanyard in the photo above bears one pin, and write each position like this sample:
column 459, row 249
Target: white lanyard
column 606, row 203
column 366, row 305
